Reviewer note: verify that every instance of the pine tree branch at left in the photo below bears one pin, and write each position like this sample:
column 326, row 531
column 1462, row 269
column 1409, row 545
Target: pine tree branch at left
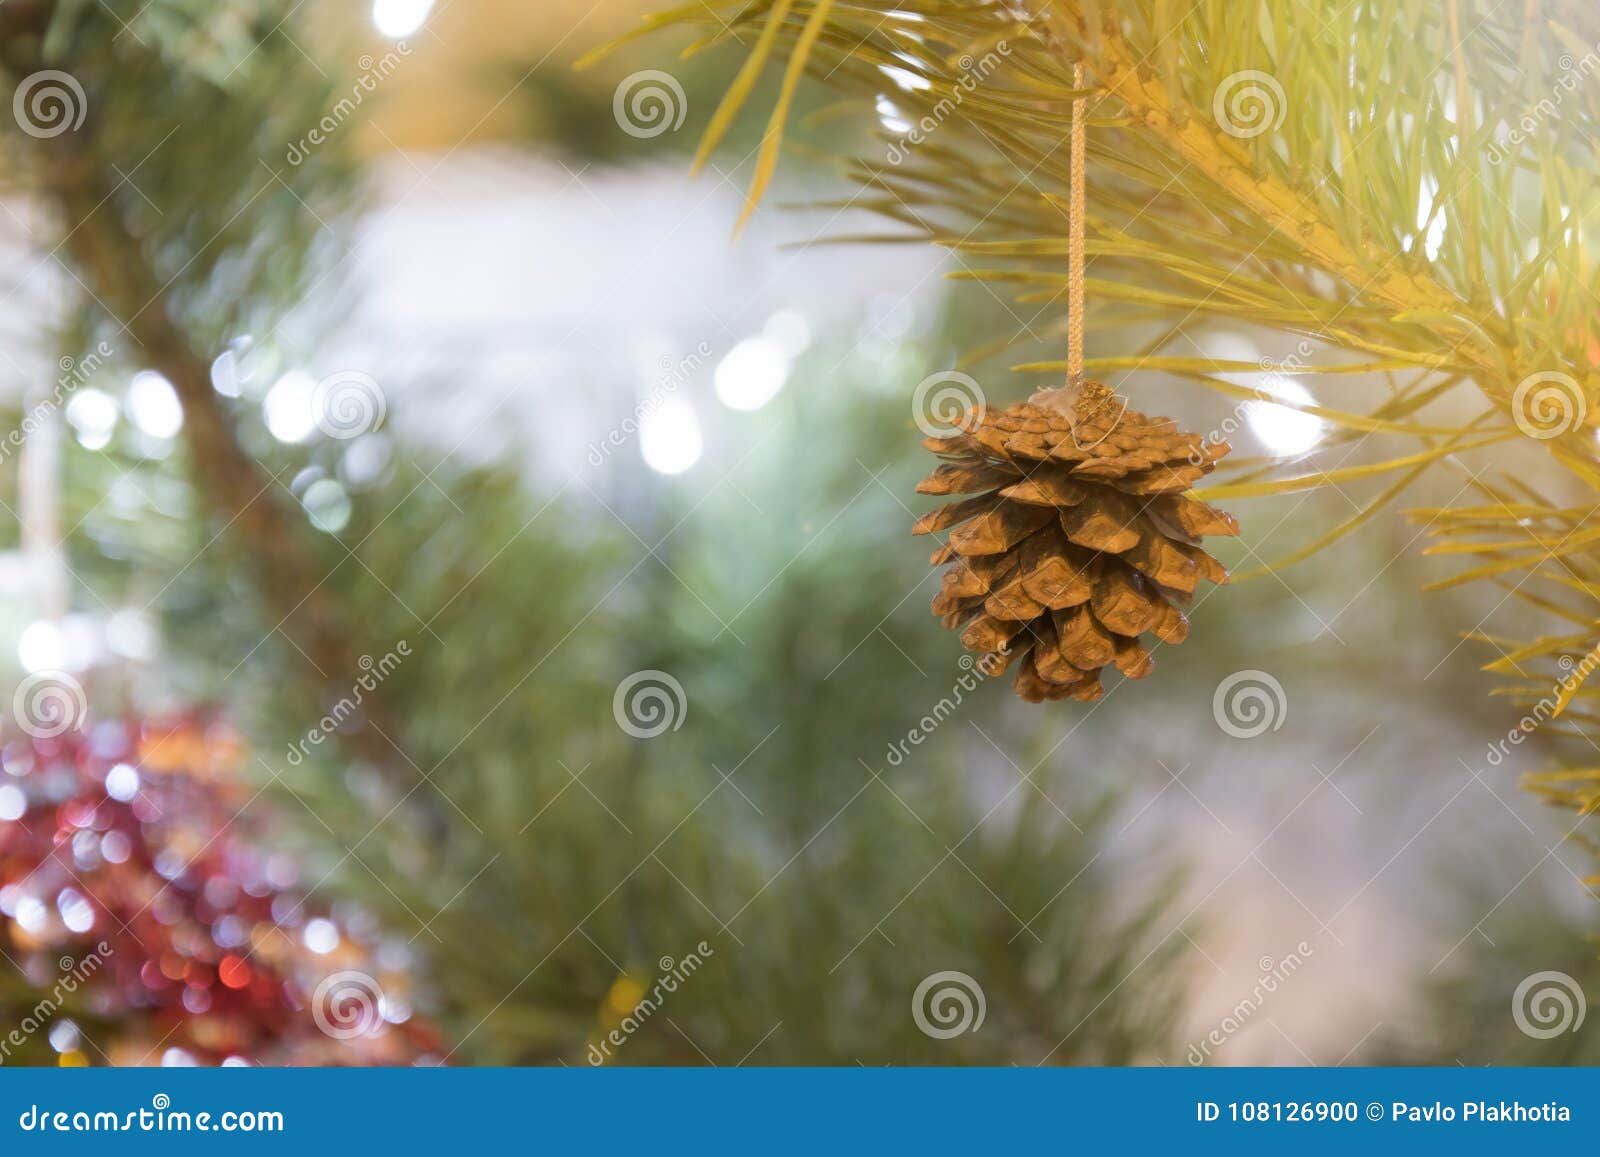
column 242, row 497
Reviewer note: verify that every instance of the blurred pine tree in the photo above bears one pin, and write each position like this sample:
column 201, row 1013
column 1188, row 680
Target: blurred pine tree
column 540, row 862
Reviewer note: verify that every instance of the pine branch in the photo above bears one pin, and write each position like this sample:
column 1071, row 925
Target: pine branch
column 1417, row 193
column 1369, row 273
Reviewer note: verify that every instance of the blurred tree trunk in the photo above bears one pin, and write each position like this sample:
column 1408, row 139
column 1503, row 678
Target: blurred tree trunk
column 244, row 499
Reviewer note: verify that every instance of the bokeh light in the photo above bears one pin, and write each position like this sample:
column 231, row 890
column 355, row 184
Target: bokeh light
column 153, row 405
column 1284, row 430
column 397, row 19
column 751, row 374
column 669, row 437
column 288, row 407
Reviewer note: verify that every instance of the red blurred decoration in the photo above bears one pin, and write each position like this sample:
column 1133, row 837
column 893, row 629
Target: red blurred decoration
column 132, row 872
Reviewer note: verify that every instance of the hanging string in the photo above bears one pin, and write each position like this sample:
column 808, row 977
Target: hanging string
column 1079, row 398
column 1075, row 241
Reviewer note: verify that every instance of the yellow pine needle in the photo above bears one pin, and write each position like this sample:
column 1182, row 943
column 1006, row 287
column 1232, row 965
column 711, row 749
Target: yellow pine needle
column 1316, row 545
column 1344, row 474
column 772, row 142
column 739, row 91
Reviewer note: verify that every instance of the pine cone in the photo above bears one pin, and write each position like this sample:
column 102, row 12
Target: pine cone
column 1080, row 540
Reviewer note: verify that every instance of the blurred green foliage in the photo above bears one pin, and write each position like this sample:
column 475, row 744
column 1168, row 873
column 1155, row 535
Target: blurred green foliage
column 544, row 853
column 550, row 852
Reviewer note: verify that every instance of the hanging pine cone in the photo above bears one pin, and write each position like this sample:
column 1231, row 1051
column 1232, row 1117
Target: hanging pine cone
column 1080, row 540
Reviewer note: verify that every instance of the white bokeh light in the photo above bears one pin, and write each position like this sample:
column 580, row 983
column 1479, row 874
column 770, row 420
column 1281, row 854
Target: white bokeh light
column 64, row 1036
column 1283, row 430
column 1434, row 223
column 906, row 80
column 288, row 407
column 327, row 505
column 891, row 117
column 32, row 914
column 76, row 911
column 400, row 18
column 789, row 330
column 225, row 377
column 93, row 415
column 13, row 803
column 42, row 647
column 153, row 405
column 751, row 374
column 669, row 437
column 122, row 782
column 321, row 936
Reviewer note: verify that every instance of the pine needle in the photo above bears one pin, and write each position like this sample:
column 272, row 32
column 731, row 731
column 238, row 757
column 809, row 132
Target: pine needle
column 772, row 142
